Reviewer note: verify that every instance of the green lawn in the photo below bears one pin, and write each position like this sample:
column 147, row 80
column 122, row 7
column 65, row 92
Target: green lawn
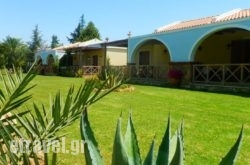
column 212, row 121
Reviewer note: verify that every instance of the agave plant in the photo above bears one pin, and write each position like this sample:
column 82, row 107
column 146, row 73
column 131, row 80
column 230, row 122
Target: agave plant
column 113, row 75
column 39, row 123
column 126, row 149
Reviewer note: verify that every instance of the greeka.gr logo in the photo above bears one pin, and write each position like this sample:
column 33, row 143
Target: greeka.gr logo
column 55, row 146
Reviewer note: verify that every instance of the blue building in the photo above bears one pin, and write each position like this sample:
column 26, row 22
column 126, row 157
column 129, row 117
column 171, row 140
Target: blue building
column 210, row 50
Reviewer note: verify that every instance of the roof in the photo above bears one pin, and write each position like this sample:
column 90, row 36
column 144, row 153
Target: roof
column 93, row 43
column 118, row 43
column 228, row 16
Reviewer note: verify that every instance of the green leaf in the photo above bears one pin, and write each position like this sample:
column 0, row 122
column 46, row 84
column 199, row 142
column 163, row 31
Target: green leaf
column 3, row 157
column 174, row 140
column 15, row 88
column 119, row 156
column 54, row 158
column 99, row 94
column 18, row 131
column 149, row 160
column 68, row 103
column 131, row 144
column 230, row 158
column 5, row 137
column 163, row 152
column 35, row 158
column 91, row 151
column 56, row 109
column 27, row 125
column 178, row 156
column 26, row 159
column 172, row 146
column 39, row 116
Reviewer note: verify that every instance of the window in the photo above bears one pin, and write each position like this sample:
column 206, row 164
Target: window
column 95, row 60
column 144, row 58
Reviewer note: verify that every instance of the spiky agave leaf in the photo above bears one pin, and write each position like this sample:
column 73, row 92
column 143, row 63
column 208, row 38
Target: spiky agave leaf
column 149, row 160
column 164, row 148
column 172, row 146
column 131, row 144
column 231, row 156
column 119, row 155
column 91, row 151
column 178, row 157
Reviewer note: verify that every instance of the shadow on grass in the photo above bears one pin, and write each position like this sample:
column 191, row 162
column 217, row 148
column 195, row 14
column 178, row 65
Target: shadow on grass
column 234, row 92
column 237, row 91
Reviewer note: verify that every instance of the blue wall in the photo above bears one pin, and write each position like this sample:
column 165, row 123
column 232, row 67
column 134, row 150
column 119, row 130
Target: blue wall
column 182, row 44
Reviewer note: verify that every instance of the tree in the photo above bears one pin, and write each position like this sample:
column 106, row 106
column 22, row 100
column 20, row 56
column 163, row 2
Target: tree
column 90, row 32
column 2, row 57
column 35, row 44
column 54, row 42
column 77, row 32
column 14, row 52
column 83, row 33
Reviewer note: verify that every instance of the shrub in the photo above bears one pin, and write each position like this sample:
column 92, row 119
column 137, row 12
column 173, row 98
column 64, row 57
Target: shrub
column 79, row 73
column 175, row 74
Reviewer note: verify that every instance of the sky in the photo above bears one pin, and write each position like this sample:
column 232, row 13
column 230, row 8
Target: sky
column 113, row 18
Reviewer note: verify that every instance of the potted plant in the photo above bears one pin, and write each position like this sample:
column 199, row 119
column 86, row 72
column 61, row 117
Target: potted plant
column 175, row 76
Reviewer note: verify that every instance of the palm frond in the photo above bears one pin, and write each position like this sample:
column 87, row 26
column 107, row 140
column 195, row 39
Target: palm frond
column 15, row 88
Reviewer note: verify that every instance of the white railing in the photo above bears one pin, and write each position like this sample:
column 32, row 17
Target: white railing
column 91, row 70
column 221, row 73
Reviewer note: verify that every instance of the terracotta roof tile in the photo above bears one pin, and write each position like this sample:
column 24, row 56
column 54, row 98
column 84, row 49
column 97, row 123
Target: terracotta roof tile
column 228, row 16
column 238, row 15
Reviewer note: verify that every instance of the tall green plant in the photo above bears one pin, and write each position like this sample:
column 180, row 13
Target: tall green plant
column 112, row 74
column 126, row 149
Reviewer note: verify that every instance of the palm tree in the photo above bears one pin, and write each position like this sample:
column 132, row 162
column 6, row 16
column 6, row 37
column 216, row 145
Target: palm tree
column 14, row 51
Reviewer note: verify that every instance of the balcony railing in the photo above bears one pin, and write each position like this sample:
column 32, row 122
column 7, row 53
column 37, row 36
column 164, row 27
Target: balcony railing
column 91, row 70
column 222, row 74
column 148, row 72
column 137, row 72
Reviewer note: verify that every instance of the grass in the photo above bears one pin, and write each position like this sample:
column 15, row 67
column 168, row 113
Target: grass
column 212, row 121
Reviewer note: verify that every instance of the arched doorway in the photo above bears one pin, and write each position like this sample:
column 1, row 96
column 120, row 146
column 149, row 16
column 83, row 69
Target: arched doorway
column 50, row 64
column 151, row 60
column 223, row 57
column 50, row 60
